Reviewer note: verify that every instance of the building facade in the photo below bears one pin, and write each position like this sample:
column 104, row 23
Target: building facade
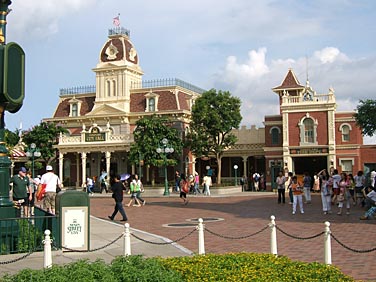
column 306, row 135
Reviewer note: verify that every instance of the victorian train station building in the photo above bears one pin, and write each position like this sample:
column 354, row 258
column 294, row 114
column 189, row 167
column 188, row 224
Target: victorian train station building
column 308, row 134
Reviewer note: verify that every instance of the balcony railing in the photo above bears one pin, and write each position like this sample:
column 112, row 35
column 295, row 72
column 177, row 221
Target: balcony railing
column 77, row 90
column 156, row 83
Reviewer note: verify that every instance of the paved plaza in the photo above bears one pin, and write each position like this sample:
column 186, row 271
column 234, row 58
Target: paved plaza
column 248, row 213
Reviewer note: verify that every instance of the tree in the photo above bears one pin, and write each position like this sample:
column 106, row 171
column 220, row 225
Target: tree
column 147, row 138
column 214, row 115
column 11, row 138
column 366, row 116
column 45, row 136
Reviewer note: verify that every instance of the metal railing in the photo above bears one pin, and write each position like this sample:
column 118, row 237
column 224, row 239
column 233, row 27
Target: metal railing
column 22, row 234
column 155, row 83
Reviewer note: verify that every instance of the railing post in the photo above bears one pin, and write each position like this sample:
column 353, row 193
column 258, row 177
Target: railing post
column 127, row 240
column 327, row 244
column 273, row 236
column 201, row 241
column 47, row 249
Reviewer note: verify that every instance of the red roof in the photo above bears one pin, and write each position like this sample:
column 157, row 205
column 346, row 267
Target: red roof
column 290, row 82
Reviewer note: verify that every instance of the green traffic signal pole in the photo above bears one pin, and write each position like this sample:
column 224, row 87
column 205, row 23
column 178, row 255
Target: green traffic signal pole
column 11, row 98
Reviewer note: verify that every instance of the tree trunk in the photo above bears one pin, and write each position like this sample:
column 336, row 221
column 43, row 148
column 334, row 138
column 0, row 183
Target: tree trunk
column 219, row 162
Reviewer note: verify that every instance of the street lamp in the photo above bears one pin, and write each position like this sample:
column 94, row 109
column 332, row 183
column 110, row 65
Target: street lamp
column 31, row 153
column 236, row 174
column 164, row 150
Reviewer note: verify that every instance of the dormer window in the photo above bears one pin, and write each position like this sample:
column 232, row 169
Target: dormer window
column 151, row 102
column 345, row 130
column 74, row 107
column 74, row 110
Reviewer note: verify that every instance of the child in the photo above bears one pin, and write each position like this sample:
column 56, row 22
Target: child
column 297, row 191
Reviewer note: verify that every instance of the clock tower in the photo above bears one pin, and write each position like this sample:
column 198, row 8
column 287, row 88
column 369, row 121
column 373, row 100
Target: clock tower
column 117, row 72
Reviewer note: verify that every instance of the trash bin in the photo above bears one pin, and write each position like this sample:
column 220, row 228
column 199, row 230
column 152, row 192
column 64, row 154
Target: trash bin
column 73, row 208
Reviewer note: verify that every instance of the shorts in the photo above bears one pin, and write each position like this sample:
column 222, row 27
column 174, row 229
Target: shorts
column 49, row 200
column 21, row 201
column 30, row 202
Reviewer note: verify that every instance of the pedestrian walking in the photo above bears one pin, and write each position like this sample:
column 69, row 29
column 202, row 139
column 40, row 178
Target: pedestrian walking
column 133, row 189
column 344, row 194
column 288, row 186
column 184, row 188
column 117, row 189
column 139, row 189
column 206, row 182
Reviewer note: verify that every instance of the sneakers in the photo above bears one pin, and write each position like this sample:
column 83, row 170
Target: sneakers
column 143, row 203
column 110, row 217
column 301, row 212
column 293, row 212
column 363, row 217
column 124, row 219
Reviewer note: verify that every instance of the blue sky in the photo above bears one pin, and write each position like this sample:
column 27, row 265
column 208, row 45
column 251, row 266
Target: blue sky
column 242, row 46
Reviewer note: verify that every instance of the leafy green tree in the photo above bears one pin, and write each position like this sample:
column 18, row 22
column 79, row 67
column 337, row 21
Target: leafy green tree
column 214, row 115
column 45, row 136
column 11, row 138
column 366, row 116
column 148, row 135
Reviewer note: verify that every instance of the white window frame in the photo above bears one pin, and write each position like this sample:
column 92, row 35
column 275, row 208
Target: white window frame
column 342, row 129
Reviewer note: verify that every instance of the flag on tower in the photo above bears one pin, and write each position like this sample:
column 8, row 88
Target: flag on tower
column 116, row 20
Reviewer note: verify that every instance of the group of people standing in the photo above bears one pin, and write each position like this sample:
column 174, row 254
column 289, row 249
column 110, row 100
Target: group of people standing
column 341, row 189
column 24, row 188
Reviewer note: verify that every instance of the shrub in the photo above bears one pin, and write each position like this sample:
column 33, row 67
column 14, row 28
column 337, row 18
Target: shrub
column 227, row 267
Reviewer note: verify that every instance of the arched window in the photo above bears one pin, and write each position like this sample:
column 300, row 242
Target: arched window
column 114, row 88
column 275, row 135
column 308, row 130
column 74, row 110
column 151, row 104
column 108, row 84
column 345, row 130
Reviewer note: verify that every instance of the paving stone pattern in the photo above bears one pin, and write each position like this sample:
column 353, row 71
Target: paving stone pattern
column 249, row 213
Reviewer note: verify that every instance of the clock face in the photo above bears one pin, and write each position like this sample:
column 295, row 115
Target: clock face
column 307, row 96
column 111, row 52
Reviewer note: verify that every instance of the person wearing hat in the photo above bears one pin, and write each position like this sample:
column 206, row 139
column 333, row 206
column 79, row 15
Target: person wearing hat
column 21, row 187
column 52, row 181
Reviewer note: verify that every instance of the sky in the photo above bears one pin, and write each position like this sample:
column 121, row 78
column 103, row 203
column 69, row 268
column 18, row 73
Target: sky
column 242, row 46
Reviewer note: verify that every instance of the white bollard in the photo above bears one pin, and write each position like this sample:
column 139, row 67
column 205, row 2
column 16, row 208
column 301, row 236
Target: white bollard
column 201, row 241
column 273, row 236
column 327, row 244
column 47, row 249
column 127, row 240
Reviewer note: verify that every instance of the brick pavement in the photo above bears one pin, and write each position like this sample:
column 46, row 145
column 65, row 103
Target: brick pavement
column 245, row 215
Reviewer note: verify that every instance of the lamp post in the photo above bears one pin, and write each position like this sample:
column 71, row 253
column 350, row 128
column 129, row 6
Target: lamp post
column 236, row 174
column 31, row 153
column 164, row 150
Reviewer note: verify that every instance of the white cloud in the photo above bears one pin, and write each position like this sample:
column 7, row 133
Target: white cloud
column 329, row 55
column 253, row 79
column 40, row 19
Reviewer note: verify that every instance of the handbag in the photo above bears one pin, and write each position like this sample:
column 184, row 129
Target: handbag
column 41, row 191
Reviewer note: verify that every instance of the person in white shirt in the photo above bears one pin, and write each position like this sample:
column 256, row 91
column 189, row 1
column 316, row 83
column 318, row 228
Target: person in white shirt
column 373, row 175
column 51, row 180
column 207, row 182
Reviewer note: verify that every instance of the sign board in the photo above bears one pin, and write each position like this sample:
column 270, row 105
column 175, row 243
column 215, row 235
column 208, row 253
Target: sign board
column 95, row 137
column 75, row 228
